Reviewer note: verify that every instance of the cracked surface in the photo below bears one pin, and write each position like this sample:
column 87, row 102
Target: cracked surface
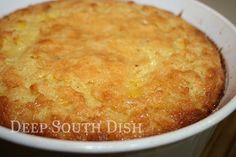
column 89, row 61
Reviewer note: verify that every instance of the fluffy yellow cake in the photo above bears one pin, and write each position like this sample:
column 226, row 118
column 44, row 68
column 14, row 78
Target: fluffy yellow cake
column 100, row 70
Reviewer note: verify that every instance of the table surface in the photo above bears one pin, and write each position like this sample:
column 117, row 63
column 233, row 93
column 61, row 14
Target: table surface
column 228, row 9
column 225, row 7
column 223, row 141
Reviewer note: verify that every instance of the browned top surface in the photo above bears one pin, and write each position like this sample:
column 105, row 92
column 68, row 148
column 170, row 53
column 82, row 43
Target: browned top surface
column 87, row 61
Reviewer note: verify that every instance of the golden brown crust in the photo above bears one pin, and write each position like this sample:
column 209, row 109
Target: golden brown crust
column 89, row 61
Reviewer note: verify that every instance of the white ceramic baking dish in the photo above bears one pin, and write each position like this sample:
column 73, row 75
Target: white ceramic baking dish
column 187, row 141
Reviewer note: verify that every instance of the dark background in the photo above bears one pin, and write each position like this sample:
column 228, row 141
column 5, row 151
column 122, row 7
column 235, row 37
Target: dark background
column 7, row 149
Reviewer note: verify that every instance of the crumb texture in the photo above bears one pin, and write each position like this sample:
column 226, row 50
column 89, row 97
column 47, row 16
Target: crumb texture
column 89, row 61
